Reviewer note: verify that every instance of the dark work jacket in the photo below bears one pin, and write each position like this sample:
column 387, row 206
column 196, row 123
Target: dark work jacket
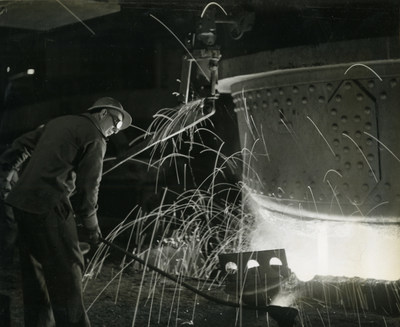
column 68, row 158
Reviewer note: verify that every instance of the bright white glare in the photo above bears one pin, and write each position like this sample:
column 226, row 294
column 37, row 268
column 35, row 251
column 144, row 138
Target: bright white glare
column 8, row 69
column 30, row 71
column 336, row 247
column 231, row 268
column 275, row 262
column 284, row 300
column 252, row 264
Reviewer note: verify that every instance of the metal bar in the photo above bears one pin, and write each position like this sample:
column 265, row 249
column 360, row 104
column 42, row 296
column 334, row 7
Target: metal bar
column 136, row 150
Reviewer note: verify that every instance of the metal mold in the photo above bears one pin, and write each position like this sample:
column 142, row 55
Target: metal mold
column 255, row 277
column 321, row 138
column 321, row 154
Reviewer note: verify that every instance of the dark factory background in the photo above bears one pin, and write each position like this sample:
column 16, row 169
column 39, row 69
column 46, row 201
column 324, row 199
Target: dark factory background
column 81, row 50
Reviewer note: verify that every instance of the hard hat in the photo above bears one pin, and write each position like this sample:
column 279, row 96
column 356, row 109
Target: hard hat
column 107, row 102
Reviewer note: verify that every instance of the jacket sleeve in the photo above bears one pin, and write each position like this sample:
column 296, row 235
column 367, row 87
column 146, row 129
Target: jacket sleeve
column 88, row 177
column 20, row 150
column 14, row 157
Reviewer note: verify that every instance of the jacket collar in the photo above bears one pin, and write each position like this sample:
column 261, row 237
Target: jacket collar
column 95, row 123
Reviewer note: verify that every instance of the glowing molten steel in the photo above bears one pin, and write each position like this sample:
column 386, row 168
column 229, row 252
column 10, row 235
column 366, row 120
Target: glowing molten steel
column 328, row 245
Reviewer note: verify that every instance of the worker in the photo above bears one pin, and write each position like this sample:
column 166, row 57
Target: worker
column 11, row 162
column 66, row 160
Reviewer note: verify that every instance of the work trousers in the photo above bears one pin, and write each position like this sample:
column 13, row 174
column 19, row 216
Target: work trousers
column 8, row 236
column 52, row 266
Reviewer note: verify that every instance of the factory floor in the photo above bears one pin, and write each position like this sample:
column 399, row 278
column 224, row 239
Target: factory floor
column 165, row 304
column 133, row 298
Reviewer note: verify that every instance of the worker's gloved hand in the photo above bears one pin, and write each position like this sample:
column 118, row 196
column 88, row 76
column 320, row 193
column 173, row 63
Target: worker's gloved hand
column 93, row 235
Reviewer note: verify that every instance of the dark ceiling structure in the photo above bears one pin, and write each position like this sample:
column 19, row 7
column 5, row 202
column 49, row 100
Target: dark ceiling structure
column 48, row 15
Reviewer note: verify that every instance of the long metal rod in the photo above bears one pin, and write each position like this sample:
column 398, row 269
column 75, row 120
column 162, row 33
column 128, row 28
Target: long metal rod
column 143, row 146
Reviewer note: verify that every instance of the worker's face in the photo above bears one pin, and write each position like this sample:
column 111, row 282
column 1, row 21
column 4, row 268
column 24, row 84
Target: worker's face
column 111, row 122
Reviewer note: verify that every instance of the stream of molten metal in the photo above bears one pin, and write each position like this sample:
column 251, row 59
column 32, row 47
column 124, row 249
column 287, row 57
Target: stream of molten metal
column 328, row 245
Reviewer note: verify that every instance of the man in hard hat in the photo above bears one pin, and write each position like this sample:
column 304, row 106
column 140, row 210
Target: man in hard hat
column 67, row 159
